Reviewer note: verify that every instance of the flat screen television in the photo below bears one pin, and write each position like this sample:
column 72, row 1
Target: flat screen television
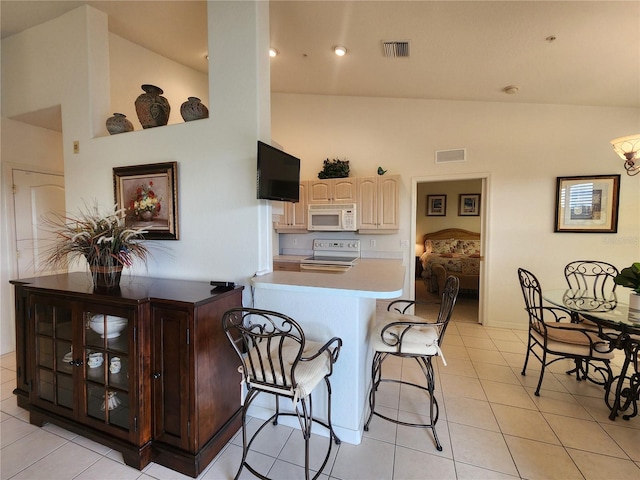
column 278, row 174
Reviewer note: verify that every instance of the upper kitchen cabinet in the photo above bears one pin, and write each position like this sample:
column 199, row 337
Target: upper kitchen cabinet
column 378, row 204
column 294, row 218
column 332, row 190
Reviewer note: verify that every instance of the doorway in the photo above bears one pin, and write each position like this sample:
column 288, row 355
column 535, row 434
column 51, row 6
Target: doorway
column 452, row 186
column 35, row 194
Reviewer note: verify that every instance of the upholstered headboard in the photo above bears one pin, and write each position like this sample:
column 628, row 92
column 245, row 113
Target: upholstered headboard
column 457, row 233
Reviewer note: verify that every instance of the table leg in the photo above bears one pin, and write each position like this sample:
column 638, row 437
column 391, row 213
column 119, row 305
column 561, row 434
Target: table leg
column 626, row 386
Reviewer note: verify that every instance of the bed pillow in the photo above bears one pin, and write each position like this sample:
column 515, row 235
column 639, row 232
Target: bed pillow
column 441, row 246
column 468, row 247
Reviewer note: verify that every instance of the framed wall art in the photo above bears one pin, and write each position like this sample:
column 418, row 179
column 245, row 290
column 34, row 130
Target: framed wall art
column 436, row 205
column 149, row 195
column 469, row 205
column 587, row 204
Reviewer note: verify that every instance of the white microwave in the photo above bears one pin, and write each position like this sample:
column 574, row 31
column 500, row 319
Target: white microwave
column 332, row 217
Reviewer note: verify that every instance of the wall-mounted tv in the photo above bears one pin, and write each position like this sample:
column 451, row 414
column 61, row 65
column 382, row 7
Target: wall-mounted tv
column 278, row 174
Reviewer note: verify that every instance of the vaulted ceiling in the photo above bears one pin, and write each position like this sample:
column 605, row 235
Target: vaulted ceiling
column 554, row 52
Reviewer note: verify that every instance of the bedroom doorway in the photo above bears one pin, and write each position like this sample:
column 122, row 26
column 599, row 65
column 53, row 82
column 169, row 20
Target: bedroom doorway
column 445, row 194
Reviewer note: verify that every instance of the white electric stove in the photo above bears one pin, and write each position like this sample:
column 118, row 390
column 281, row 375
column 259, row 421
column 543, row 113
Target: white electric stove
column 332, row 255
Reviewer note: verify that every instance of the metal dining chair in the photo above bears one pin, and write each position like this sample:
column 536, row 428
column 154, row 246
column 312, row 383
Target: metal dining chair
column 408, row 336
column 277, row 359
column 593, row 282
column 553, row 336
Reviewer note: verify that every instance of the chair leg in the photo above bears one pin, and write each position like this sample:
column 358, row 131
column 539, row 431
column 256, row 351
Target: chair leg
column 306, row 420
column 332, row 433
column 543, row 362
column 427, row 368
column 376, row 373
column 526, row 358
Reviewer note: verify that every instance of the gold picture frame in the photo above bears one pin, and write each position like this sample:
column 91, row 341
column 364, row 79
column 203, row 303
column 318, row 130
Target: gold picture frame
column 149, row 195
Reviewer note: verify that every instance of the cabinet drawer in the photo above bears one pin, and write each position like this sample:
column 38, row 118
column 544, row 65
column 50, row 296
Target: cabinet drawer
column 286, row 267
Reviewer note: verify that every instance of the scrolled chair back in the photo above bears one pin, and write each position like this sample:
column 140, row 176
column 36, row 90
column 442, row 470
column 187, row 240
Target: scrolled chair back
column 591, row 277
column 274, row 352
column 532, row 293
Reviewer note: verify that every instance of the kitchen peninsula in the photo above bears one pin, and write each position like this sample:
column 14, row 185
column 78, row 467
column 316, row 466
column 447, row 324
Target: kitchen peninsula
column 335, row 304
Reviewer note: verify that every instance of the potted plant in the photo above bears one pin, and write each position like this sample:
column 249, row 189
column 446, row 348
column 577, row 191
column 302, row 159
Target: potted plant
column 630, row 277
column 334, row 169
column 101, row 238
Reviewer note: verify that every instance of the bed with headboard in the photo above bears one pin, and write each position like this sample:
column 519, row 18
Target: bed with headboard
column 452, row 251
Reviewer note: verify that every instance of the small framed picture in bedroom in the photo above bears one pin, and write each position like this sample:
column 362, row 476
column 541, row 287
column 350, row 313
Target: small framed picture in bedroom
column 469, row 205
column 436, row 205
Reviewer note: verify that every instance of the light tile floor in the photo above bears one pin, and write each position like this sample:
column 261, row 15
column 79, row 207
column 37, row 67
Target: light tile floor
column 491, row 426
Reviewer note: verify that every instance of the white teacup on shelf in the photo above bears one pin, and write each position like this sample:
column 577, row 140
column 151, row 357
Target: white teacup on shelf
column 95, row 360
column 115, row 365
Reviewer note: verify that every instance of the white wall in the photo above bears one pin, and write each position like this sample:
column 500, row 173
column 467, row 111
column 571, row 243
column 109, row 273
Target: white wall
column 521, row 148
column 221, row 222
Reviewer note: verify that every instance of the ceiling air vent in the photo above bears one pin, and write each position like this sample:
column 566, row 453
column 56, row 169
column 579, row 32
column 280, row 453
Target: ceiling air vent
column 455, row 155
column 396, row 49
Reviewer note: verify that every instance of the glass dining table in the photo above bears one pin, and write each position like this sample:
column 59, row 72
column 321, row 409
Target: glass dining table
column 622, row 391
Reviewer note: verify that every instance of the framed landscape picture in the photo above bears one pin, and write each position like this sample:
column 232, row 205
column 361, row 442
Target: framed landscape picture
column 436, row 205
column 587, row 204
column 149, row 195
column 469, row 205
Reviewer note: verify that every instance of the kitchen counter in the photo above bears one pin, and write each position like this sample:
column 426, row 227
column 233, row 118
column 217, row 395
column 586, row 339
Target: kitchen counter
column 327, row 305
column 370, row 278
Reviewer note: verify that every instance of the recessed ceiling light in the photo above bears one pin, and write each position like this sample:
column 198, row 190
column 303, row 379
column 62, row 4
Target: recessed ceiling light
column 273, row 52
column 511, row 89
column 340, row 51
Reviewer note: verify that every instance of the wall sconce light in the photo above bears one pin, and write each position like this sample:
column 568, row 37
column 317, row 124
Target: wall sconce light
column 273, row 52
column 629, row 150
column 340, row 50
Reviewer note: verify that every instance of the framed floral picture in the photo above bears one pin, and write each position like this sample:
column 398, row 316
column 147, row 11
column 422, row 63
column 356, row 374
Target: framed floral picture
column 469, row 205
column 149, row 195
column 587, row 204
column 436, row 205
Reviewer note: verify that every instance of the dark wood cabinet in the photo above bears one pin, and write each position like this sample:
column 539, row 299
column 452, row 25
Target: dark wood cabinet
column 145, row 369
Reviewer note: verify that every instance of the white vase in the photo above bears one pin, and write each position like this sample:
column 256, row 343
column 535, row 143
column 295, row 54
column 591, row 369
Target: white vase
column 634, row 307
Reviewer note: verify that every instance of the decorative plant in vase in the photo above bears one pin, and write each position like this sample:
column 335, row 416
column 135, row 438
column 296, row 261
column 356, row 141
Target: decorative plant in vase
column 630, row 277
column 145, row 204
column 102, row 238
column 334, row 169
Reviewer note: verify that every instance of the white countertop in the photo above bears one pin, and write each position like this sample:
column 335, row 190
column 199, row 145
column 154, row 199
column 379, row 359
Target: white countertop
column 371, row 278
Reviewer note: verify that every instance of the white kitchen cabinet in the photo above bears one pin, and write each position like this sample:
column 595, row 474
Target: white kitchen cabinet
column 294, row 218
column 332, row 190
column 378, row 203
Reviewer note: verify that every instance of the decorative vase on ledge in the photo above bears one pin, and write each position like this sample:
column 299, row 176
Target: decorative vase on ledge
column 118, row 124
column 152, row 108
column 193, row 109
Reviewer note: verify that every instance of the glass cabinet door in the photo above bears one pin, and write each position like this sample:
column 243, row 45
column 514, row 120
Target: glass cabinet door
column 105, row 343
column 54, row 359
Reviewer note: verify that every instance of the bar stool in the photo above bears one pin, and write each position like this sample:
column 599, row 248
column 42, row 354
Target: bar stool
column 277, row 359
column 409, row 336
